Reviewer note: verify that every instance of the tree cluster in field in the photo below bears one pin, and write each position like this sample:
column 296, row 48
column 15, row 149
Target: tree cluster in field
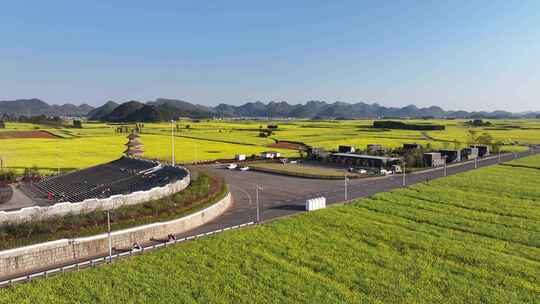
column 478, row 123
column 392, row 124
column 55, row 121
column 269, row 131
column 7, row 177
column 137, row 128
column 484, row 139
column 77, row 124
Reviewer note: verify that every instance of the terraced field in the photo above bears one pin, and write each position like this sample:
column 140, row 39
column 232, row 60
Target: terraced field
column 468, row 238
column 208, row 140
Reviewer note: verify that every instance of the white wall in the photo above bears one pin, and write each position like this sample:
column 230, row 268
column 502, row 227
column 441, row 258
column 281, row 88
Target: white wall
column 24, row 259
column 89, row 205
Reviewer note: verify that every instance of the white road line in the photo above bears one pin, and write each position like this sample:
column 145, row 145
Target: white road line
column 243, row 191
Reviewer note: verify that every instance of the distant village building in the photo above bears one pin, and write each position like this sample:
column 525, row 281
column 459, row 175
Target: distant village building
column 2, row 124
column 433, row 159
column 483, row 150
column 452, row 156
column 469, row 153
column 346, row 149
column 317, row 153
column 366, row 161
column 270, row 154
column 374, row 147
column 134, row 146
column 240, row 157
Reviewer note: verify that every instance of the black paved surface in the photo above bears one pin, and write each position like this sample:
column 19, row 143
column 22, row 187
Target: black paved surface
column 285, row 195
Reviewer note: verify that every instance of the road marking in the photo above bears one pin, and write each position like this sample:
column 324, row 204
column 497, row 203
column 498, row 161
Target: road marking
column 243, row 191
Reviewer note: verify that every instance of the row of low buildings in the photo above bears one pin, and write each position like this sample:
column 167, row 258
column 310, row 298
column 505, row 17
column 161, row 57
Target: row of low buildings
column 439, row 158
column 347, row 155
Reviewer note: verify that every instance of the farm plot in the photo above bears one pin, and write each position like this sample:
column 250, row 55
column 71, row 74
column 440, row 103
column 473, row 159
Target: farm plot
column 469, row 238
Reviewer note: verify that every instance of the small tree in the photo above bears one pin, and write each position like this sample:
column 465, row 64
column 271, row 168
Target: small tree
column 485, row 139
column 496, row 146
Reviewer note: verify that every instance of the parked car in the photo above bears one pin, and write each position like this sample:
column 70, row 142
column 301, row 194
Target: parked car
column 385, row 172
column 232, row 166
column 245, row 168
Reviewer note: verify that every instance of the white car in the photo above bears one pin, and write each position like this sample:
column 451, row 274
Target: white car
column 232, row 166
column 246, row 168
column 385, row 172
column 362, row 171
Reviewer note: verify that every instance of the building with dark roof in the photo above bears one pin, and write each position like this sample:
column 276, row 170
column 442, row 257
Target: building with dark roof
column 346, row 149
column 433, row 159
column 469, row 153
column 452, row 156
column 366, row 161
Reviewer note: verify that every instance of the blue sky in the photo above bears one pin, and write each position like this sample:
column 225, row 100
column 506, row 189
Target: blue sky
column 460, row 55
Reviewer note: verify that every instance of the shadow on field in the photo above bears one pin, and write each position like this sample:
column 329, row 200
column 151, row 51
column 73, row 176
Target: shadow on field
column 290, row 207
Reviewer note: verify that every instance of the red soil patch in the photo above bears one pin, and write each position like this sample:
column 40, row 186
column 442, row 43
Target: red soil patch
column 287, row 145
column 26, row 134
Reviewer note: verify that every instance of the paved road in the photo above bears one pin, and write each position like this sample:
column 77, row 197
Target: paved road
column 284, row 195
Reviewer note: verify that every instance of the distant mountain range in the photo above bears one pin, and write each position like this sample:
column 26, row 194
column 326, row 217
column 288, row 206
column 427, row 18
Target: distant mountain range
column 35, row 107
column 163, row 109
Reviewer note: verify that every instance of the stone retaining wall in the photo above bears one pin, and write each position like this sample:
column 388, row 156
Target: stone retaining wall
column 24, row 259
column 89, row 205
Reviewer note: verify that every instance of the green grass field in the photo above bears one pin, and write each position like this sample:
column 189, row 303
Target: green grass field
column 209, row 140
column 468, row 238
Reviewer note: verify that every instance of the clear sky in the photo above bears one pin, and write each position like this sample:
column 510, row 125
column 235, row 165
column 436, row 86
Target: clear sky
column 472, row 55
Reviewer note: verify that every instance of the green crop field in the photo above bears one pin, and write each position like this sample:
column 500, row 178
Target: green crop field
column 209, row 140
column 468, row 238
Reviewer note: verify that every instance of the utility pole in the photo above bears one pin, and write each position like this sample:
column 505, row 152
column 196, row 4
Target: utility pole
column 109, row 234
column 172, row 142
column 346, row 192
column 257, row 188
column 404, row 181
column 499, row 156
column 445, row 171
column 476, row 162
